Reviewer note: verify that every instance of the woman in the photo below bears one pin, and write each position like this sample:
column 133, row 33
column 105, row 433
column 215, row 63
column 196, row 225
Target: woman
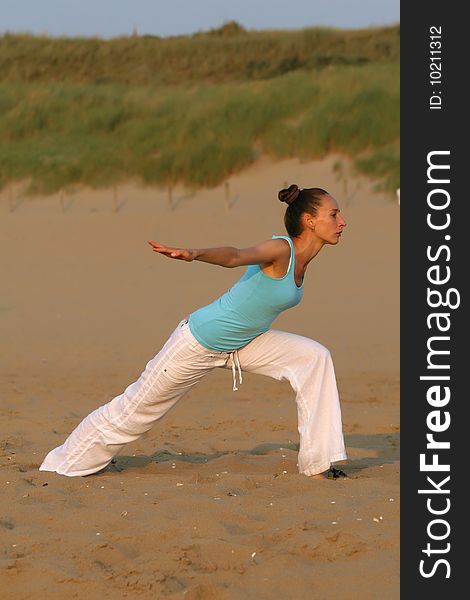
column 234, row 332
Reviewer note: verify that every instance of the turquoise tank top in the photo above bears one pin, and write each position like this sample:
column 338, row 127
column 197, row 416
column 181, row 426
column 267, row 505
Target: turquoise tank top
column 247, row 309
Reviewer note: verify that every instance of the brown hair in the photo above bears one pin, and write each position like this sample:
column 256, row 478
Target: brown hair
column 300, row 201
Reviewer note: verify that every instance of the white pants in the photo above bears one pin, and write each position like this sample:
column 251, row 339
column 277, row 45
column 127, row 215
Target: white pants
column 179, row 365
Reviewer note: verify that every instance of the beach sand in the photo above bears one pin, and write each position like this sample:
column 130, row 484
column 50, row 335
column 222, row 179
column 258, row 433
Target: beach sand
column 209, row 503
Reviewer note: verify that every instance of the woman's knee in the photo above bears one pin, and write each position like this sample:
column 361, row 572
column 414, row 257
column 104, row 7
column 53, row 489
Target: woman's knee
column 314, row 351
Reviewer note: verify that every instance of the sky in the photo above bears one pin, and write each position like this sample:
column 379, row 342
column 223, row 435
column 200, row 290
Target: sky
column 110, row 18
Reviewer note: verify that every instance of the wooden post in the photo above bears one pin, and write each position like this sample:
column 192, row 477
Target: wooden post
column 170, row 195
column 15, row 202
column 115, row 206
column 227, row 196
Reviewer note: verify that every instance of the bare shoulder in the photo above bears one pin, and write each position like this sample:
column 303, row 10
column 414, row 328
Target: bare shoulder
column 274, row 260
column 267, row 252
column 279, row 247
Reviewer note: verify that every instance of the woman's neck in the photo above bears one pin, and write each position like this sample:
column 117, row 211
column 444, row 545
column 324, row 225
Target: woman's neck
column 306, row 248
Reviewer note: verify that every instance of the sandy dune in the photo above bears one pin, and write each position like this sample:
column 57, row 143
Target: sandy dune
column 209, row 504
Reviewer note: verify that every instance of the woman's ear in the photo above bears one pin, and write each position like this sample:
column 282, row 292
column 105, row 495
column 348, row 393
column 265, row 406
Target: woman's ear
column 309, row 221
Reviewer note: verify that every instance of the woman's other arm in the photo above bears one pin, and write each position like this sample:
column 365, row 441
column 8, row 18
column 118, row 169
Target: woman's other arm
column 266, row 252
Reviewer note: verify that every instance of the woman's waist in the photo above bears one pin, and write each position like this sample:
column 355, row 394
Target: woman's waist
column 224, row 334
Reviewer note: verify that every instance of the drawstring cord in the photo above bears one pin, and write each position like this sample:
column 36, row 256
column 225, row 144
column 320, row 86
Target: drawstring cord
column 236, row 364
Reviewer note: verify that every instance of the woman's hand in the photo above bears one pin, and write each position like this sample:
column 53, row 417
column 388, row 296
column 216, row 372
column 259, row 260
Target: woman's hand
column 178, row 253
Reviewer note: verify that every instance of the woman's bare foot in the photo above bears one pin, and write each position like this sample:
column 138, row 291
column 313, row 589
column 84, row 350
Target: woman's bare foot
column 331, row 473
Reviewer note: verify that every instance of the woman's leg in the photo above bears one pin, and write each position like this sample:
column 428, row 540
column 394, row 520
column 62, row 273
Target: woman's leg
column 307, row 365
column 179, row 365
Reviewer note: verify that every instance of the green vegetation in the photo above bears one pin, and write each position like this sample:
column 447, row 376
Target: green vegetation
column 195, row 109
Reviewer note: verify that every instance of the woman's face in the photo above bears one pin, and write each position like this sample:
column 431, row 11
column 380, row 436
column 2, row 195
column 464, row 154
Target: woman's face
column 328, row 222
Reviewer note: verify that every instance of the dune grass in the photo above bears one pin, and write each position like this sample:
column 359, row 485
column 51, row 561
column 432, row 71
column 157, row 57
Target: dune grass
column 58, row 133
column 228, row 53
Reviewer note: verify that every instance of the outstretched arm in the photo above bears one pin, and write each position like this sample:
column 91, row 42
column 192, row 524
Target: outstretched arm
column 227, row 256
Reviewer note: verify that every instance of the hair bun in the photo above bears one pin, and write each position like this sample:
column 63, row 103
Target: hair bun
column 290, row 194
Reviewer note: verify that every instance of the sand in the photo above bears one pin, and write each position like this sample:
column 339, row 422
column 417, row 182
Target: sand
column 208, row 504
